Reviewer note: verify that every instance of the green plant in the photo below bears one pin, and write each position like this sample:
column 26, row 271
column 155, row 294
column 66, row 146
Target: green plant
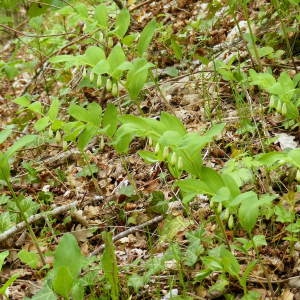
column 283, row 94
column 109, row 70
column 10, row 281
column 171, row 141
column 223, row 261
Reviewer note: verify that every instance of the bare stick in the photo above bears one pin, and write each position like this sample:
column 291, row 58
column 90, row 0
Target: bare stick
column 56, row 211
column 127, row 232
column 140, row 5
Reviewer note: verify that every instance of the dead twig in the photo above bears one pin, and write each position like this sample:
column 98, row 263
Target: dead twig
column 139, row 5
column 127, row 232
column 56, row 211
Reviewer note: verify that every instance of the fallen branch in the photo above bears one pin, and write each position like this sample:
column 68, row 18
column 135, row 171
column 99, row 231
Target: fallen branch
column 56, row 211
column 127, row 232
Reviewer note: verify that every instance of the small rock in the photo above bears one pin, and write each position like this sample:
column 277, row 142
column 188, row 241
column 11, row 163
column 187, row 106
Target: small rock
column 294, row 282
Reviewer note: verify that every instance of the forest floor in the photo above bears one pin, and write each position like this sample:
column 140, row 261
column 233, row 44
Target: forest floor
column 104, row 190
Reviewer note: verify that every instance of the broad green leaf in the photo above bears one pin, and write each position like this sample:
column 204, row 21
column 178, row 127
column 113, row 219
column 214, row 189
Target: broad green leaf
column 4, row 167
column 135, row 126
column 5, row 133
column 3, row 255
column 230, row 263
column 93, row 55
column 122, row 23
column 264, row 80
column 194, row 187
column 36, row 9
column 95, row 113
column 294, row 155
column 251, row 295
column 137, row 76
column 46, row 293
column 146, row 37
column 248, row 211
column 195, row 248
column 31, row 259
column 259, row 240
column 22, row 101
column 231, row 185
column 85, row 137
column 62, row 58
column 268, row 159
column 172, row 226
column 5, row 223
column 115, row 59
column 294, row 227
column 54, row 109
column 172, row 123
column 284, row 215
column 25, row 204
column 72, row 130
column 148, row 156
column 170, row 138
column 215, row 130
column 90, row 115
column 42, row 123
column 101, row 15
column 213, row 263
column 20, row 143
column 212, row 179
column 109, row 265
column 222, row 195
column 63, row 280
column 36, row 107
column 78, row 291
column 110, row 120
column 101, row 67
column 82, row 10
column 68, row 255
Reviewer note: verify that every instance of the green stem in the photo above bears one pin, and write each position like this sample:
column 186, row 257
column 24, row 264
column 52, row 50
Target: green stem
column 221, row 226
column 24, row 218
column 95, row 182
column 284, row 30
column 262, row 266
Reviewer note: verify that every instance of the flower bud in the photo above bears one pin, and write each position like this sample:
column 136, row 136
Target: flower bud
column 50, row 132
column 110, row 42
column 180, row 163
column 84, row 72
column 272, row 102
column 114, row 90
column 219, row 208
column 101, row 143
column 157, row 147
column 108, row 84
column 279, row 106
column 100, row 36
column 165, row 152
column 226, row 214
column 92, row 76
column 298, row 175
column 173, row 159
column 150, row 142
column 65, row 145
column 284, row 109
column 99, row 81
column 57, row 136
column 230, row 222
